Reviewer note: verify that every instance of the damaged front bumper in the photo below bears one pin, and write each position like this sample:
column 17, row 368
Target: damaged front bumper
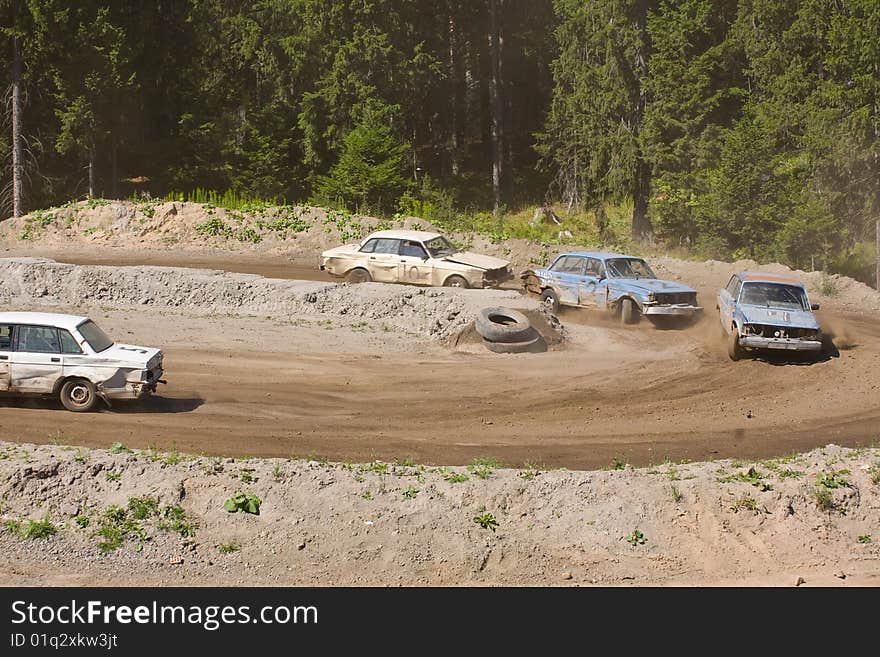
column 680, row 309
column 495, row 277
column 786, row 344
column 134, row 389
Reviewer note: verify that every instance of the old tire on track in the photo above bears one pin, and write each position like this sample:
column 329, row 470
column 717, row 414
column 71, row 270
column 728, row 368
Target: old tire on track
column 497, row 324
column 523, row 346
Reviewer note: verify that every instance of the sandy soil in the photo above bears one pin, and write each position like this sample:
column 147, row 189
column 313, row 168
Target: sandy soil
column 341, row 524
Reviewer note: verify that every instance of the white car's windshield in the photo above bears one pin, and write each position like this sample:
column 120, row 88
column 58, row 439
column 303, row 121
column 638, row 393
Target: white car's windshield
column 96, row 338
column 440, row 247
column 774, row 295
column 628, row 268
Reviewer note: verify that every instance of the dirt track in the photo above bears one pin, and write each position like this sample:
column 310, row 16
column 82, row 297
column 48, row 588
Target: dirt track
column 349, row 391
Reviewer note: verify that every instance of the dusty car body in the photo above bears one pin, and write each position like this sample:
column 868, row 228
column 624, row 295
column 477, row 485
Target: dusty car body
column 611, row 282
column 414, row 257
column 765, row 311
column 69, row 356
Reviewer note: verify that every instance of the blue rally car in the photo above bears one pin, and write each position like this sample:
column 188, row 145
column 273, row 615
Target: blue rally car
column 620, row 284
column 766, row 311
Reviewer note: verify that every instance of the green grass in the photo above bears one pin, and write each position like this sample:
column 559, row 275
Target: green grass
column 864, row 539
column 37, row 529
column 410, row 493
column 745, row 503
column 636, row 538
column 677, row 495
column 486, row 521
column 483, row 467
column 118, row 448
column 751, row 476
column 228, row 548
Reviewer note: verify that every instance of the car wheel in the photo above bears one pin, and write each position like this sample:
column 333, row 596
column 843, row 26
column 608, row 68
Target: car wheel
column 628, row 312
column 734, row 350
column 550, row 301
column 358, row 276
column 78, row 395
column 503, row 325
column 456, row 281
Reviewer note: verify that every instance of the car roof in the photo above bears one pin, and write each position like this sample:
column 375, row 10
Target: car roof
column 598, row 254
column 415, row 235
column 43, row 319
column 759, row 277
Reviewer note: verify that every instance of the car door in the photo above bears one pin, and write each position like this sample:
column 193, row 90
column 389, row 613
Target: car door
column 415, row 266
column 727, row 297
column 384, row 262
column 35, row 362
column 567, row 273
column 5, row 354
column 588, row 289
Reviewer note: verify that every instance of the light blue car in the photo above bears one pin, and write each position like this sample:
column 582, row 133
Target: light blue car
column 766, row 311
column 619, row 284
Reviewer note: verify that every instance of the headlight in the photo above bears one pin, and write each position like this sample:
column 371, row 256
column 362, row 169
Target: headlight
column 651, row 297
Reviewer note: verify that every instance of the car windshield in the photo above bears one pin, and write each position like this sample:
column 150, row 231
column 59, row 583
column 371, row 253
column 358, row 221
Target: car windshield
column 628, row 268
column 96, row 338
column 440, row 247
column 774, row 295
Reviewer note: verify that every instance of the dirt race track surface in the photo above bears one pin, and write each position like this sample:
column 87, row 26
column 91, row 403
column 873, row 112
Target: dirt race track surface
column 347, row 389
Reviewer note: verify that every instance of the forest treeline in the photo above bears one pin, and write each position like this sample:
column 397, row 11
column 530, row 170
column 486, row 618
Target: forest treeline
column 730, row 127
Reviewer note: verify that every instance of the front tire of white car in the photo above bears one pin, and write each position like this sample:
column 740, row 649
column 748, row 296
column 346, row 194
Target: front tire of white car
column 456, row 281
column 358, row 275
column 78, row 395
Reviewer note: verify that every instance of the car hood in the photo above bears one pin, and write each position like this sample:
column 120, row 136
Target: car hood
column 345, row 249
column 651, row 285
column 128, row 355
column 477, row 260
column 779, row 317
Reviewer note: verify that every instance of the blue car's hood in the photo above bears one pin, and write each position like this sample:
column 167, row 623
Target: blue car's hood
column 779, row 317
column 649, row 285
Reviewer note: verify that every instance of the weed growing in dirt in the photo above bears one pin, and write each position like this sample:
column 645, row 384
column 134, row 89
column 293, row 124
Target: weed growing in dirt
column 824, row 498
column 455, row 477
column 82, row 521
column 751, row 476
column 618, row 463
column 486, row 521
column 746, row 503
column 874, row 473
column 141, row 508
column 636, row 538
column 247, row 475
column 789, row 474
column 118, row 448
column 174, row 520
column 376, row 466
column 367, row 495
column 116, row 526
column 12, row 526
column 410, row 493
column 832, row 480
column 113, row 476
column 214, row 467
column 277, row 472
column 38, row 529
column 228, row 548
column 677, row 495
column 244, row 502
column 828, row 287
column 864, row 539
column 79, row 457
column 483, row 467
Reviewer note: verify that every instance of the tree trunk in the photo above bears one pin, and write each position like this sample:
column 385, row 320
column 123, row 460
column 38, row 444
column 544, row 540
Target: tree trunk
column 641, row 225
column 92, row 170
column 17, row 154
column 454, row 98
column 495, row 105
column 114, row 169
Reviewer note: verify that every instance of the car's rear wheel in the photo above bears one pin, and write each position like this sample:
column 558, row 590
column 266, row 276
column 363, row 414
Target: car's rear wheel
column 456, row 281
column 734, row 350
column 358, row 276
column 550, row 301
column 628, row 312
column 78, row 395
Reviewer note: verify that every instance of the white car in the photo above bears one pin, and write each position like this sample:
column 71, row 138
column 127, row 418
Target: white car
column 414, row 257
column 69, row 356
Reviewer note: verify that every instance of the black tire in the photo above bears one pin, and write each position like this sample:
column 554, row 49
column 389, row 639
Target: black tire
column 78, row 395
column 531, row 344
column 629, row 314
column 456, row 281
column 503, row 325
column 550, row 301
column 734, row 350
column 358, row 275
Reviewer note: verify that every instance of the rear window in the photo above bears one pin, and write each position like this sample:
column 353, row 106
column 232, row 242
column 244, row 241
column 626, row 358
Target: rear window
column 96, row 338
column 6, row 337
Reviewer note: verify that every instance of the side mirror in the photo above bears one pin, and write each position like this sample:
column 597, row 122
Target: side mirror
column 814, row 306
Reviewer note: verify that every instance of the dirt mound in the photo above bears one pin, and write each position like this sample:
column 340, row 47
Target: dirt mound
column 436, row 313
column 145, row 518
column 301, row 233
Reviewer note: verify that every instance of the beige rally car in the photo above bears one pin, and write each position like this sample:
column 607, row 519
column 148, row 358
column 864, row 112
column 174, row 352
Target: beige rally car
column 414, row 257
